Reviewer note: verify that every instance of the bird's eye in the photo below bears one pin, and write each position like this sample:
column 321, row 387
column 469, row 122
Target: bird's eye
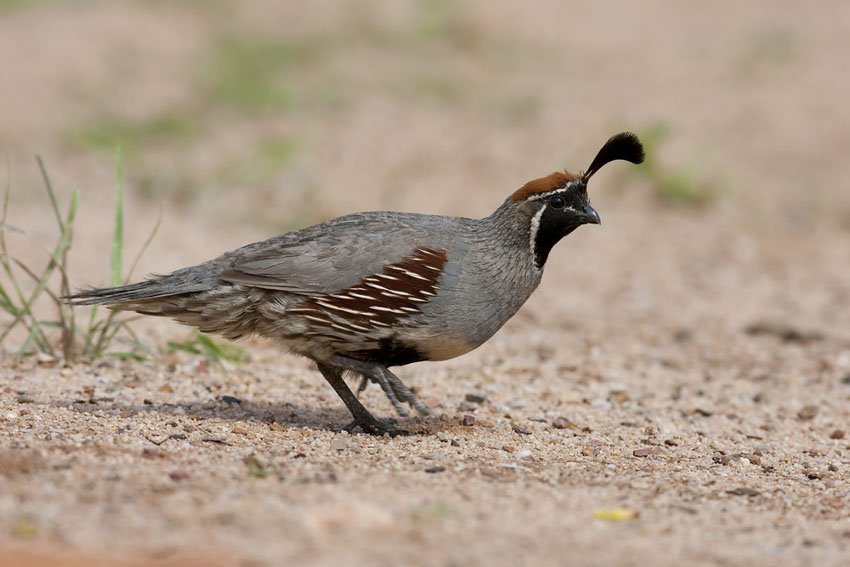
column 557, row 202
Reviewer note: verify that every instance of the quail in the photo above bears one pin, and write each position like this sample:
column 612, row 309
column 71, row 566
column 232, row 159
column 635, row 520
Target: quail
column 368, row 291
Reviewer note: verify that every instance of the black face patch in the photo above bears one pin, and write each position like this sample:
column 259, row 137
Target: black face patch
column 560, row 217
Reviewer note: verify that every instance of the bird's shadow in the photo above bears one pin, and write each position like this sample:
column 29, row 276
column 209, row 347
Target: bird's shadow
column 287, row 415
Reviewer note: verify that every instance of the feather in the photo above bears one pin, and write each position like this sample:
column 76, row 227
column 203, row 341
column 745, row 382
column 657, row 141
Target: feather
column 625, row 146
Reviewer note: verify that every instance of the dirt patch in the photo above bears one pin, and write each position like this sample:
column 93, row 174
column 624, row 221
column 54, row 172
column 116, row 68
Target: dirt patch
column 675, row 393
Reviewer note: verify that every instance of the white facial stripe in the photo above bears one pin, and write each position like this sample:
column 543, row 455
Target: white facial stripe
column 535, row 226
column 539, row 196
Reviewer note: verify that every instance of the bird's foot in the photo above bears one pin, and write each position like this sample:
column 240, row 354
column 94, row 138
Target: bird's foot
column 397, row 392
column 377, row 427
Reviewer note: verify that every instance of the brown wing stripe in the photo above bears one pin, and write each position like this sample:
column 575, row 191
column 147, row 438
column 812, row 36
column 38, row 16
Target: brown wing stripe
column 379, row 300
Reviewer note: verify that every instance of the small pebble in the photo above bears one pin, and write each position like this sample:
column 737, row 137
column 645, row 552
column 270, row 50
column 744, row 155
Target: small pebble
column 523, row 454
column 230, row 400
column 465, row 406
column 468, row 420
column 671, row 442
column 435, row 469
column 442, row 436
column 807, row 413
column 178, row 475
column 44, row 358
column 475, row 398
column 340, row 444
column 837, row 434
column 562, row 423
column 743, row 491
column 619, row 396
column 520, row 429
column 435, row 457
column 683, row 335
column 25, row 399
column 152, row 453
column 590, row 451
column 647, row 451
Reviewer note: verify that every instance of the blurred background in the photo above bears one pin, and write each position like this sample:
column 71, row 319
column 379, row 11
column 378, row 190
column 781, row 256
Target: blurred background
column 707, row 318
column 241, row 120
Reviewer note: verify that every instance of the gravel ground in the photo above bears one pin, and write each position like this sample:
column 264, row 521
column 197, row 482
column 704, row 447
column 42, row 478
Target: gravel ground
column 676, row 393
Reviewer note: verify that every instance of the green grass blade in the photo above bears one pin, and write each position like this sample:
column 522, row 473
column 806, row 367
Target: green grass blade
column 57, row 256
column 8, row 304
column 144, row 247
column 50, row 194
column 127, row 355
column 103, row 338
column 24, row 313
column 117, row 258
column 184, row 346
column 66, row 313
column 36, row 278
column 216, row 351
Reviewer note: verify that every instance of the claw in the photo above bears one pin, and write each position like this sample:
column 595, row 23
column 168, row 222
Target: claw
column 376, row 427
column 390, row 384
column 389, row 389
column 403, row 393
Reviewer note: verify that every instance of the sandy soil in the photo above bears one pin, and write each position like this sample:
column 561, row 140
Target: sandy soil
column 676, row 393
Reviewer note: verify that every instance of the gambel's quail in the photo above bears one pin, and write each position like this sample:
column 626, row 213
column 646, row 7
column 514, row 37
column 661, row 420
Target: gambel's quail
column 367, row 291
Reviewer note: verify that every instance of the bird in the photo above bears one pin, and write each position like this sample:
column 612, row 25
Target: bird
column 368, row 291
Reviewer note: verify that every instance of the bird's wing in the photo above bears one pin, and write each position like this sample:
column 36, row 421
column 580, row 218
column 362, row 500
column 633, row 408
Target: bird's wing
column 324, row 258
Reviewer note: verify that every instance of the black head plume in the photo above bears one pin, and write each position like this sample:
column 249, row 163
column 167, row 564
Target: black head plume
column 624, row 145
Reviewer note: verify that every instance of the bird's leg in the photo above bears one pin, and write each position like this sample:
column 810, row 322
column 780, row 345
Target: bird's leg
column 388, row 389
column 363, row 419
column 391, row 384
column 402, row 391
column 393, row 398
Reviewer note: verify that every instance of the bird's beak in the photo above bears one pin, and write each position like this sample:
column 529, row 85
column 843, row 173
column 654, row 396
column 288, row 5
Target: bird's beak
column 589, row 215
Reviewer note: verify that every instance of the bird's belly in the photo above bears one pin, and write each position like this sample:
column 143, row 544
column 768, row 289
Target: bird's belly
column 443, row 347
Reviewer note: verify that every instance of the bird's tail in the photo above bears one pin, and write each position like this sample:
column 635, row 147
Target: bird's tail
column 181, row 282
